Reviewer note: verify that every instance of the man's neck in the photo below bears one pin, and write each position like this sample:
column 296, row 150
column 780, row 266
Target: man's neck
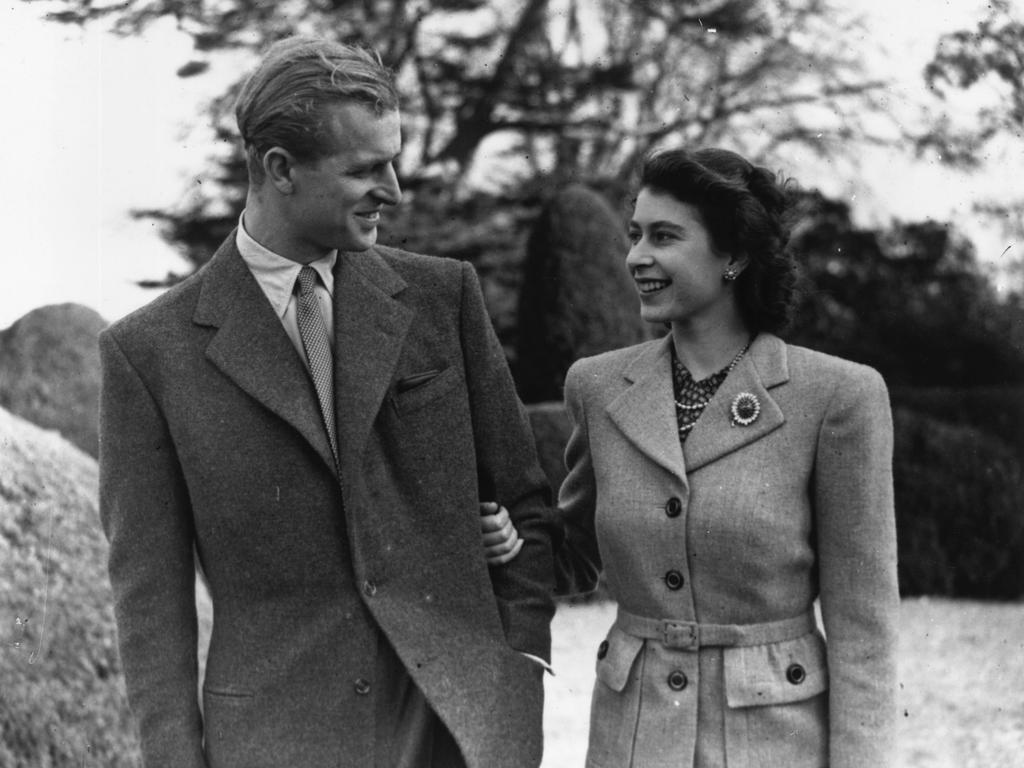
column 273, row 233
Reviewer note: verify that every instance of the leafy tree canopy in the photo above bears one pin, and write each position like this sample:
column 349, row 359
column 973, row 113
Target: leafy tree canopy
column 563, row 89
column 986, row 62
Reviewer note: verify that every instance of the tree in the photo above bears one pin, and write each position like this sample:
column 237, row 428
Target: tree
column 991, row 54
column 986, row 62
column 570, row 89
column 910, row 300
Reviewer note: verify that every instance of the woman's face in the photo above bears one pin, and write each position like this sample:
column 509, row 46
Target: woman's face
column 676, row 270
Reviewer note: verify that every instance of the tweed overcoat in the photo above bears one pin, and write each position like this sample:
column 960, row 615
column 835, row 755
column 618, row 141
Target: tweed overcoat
column 213, row 447
column 740, row 526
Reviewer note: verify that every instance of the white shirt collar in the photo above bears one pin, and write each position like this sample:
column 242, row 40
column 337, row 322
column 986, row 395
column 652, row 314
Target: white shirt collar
column 276, row 274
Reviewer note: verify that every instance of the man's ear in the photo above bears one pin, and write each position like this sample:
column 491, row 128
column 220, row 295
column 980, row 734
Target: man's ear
column 279, row 169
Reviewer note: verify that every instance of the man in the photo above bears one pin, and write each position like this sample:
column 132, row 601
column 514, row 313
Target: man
column 315, row 420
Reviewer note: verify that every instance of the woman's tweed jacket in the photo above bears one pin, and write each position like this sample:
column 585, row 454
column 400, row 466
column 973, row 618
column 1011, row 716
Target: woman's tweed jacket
column 743, row 525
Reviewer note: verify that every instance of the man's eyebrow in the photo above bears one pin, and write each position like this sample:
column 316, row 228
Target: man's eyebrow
column 371, row 161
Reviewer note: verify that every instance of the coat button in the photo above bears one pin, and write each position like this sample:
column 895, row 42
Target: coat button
column 674, row 580
column 602, row 649
column 369, row 588
column 796, row 674
column 677, row 680
column 673, row 507
column 362, row 686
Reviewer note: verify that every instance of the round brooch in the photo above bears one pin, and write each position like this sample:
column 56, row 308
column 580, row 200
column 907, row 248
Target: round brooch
column 745, row 409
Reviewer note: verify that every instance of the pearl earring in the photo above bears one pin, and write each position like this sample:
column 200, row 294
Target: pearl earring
column 730, row 274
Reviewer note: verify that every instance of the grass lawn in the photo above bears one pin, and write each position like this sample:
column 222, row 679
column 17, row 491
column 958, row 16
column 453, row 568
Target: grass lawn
column 961, row 677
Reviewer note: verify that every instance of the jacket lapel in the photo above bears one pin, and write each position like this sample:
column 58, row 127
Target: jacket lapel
column 370, row 326
column 645, row 411
column 715, row 435
column 252, row 349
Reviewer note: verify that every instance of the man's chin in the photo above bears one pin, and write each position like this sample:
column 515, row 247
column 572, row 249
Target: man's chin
column 361, row 242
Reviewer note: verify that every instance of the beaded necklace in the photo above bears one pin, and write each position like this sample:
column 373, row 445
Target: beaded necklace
column 692, row 397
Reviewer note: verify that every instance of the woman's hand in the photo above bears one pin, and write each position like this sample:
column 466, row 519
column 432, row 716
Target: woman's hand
column 501, row 539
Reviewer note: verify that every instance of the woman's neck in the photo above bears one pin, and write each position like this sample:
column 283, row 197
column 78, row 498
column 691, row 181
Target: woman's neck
column 708, row 350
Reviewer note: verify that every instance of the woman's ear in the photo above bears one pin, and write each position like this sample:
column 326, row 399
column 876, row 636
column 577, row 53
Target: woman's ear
column 734, row 267
column 739, row 263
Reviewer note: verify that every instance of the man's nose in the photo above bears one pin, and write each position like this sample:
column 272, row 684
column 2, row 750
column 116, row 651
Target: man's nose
column 388, row 190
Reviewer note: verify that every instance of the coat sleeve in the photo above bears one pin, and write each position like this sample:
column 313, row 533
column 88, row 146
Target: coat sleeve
column 856, row 533
column 577, row 560
column 508, row 471
column 147, row 520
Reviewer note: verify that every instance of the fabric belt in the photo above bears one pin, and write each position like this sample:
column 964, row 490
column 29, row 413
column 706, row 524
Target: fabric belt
column 691, row 636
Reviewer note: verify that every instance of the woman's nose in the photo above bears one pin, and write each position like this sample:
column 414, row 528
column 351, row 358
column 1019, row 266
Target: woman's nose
column 637, row 256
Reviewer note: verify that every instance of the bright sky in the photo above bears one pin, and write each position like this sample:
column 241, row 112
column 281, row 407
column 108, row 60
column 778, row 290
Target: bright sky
column 96, row 126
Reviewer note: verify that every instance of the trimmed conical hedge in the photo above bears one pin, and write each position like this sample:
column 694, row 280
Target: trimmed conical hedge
column 577, row 297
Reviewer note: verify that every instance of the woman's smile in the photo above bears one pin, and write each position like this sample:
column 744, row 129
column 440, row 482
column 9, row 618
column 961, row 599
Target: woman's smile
column 648, row 285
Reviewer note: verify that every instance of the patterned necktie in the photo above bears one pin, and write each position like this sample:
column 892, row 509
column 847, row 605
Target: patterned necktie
column 318, row 350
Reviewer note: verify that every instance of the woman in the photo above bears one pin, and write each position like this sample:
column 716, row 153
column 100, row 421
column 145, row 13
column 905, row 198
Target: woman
column 724, row 480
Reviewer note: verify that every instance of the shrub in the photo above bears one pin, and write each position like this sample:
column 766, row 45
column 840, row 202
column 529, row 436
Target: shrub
column 62, row 700
column 50, row 371
column 998, row 411
column 551, row 431
column 550, row 426
column 577, row 298
column 959, row 498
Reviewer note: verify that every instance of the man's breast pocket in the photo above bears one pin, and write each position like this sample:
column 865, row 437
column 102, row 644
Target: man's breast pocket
column 420, row 388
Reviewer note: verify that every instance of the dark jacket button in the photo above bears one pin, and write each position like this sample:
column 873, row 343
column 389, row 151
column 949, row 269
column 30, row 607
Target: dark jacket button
column 674, row 580
column 673, row 507
column 362, row 686
column 602, row 649
column 369, row 588
column 796, row 674
column 677, row 680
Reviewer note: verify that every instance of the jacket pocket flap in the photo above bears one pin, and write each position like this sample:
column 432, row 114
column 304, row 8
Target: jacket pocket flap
column 615, row 658
column 418, row 389
column 776, row 673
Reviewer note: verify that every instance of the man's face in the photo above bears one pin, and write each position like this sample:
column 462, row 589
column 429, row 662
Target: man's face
column 337, row 199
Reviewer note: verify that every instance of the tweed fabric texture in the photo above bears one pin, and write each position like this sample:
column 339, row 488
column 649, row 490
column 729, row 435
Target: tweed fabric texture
column 755, row 524
column 214, row 446
column 313, row 333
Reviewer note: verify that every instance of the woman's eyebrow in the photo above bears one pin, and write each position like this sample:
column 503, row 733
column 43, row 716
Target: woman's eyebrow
column 660, row 223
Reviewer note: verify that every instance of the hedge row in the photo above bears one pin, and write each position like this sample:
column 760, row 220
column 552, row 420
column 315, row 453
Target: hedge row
column 959, row 490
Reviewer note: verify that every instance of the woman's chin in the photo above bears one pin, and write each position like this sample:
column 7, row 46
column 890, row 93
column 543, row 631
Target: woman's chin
column 654, row 315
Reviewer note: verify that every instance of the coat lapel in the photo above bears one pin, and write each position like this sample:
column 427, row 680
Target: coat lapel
column 252, row 349
column 645, row 411
column 370, row 326
column 763, row 367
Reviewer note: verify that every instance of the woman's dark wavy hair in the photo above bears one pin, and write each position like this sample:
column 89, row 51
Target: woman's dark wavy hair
column 745, row 209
